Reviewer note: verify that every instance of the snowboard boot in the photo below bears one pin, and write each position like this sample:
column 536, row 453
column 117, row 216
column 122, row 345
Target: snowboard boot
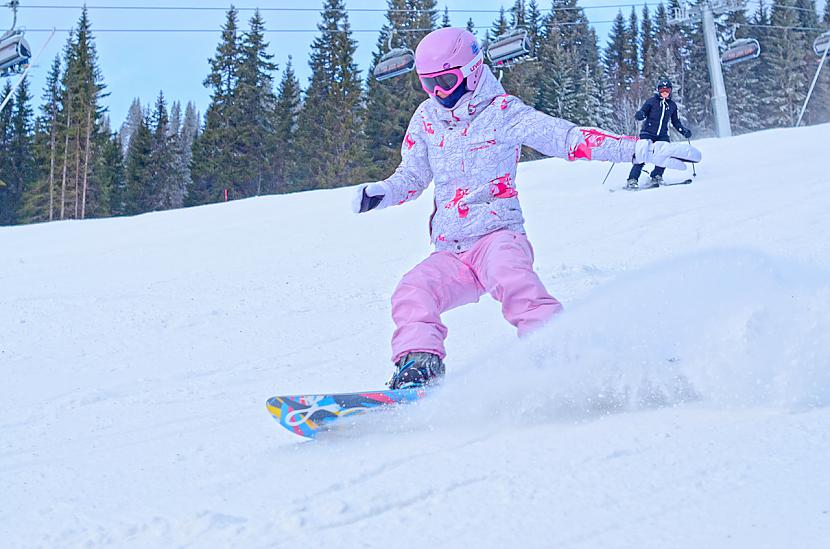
column 656, row 180
column 631, row 184
column 417, row 369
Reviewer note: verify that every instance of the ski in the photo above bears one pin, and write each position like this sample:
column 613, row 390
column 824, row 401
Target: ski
column 309, row 415
column 664, row 184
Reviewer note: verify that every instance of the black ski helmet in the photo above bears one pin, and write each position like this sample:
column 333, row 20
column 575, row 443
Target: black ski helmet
column 663, row 83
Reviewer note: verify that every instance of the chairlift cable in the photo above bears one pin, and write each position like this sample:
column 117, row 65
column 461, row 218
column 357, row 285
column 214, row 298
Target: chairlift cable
column 300, row 10
column 317, row 10
column 780, row 27
column 360, row 31
column 265, row 31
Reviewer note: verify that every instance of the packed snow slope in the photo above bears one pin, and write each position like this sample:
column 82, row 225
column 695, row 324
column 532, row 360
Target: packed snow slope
column 682, row 400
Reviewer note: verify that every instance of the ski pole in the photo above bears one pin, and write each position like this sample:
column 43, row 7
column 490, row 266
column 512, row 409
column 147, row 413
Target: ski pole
column 609, row 172
column 694, row 171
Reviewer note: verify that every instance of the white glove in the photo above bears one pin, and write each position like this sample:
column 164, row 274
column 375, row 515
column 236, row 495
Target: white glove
column 368, row 196
column 666, row 155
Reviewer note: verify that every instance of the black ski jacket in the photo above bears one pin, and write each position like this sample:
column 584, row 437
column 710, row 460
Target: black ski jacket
column 656, row 114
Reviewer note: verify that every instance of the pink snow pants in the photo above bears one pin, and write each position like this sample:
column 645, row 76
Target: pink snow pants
column 500, row 263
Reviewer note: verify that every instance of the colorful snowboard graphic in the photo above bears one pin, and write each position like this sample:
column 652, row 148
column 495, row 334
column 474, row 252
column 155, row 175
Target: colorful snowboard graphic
column 309, row 415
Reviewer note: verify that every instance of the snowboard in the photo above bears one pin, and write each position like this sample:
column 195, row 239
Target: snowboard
column 663, row 184
column 310, row 415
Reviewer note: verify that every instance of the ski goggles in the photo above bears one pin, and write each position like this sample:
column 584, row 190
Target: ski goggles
column 447, row 81
column 667, row 90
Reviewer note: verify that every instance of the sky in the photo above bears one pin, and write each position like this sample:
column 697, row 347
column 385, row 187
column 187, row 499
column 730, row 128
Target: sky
column 137, row 354
column 174, row 57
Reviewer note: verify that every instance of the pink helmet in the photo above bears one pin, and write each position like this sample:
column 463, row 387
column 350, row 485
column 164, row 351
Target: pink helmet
column 450, row 48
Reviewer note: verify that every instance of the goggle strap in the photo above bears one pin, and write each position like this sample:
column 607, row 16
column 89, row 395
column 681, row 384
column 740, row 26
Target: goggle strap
column 474, row 63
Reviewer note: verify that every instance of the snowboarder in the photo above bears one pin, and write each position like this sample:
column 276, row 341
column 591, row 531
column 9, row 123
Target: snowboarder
column 656, row 113
column 467, row 138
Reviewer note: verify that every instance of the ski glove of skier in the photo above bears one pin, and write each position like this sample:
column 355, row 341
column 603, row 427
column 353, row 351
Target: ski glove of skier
column 368, row 196
column 639, row 115
column 687, row 133
column 664, row 154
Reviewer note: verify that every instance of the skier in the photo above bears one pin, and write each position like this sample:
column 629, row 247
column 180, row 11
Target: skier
column 656, row 113
column 467, row 138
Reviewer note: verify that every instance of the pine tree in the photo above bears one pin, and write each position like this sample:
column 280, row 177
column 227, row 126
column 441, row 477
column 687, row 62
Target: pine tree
column 175, row 126
column 694, row 96
column 234, row 154
column 821, row 96
column 53, row 97
column 329, row 134
column 741, row 81
column 806, row 12
column 618, row 77
column 632, row 53
column 138, row 171
column 134, row 116
column 761, row 31
column 614, row 58
column 445, row 19
column 680, row 57
column 110, row 170
column 785, row 55
column 214, row 159
column 579, row 41
column 82, row 90
column 255, row 98
column 470, row 26
column 190, row 125
column 647, row 51
column 5, row 119
column 589, row 109
column 390, row 104
column 522, row 80
column 288, row 107
column 8, row 193
column 38, row 201
column 167, row 183
column 19, row 162
column 667, row 45
column 160, row 156
column 534, row 26
column 500, row 26
column 818, row 108
column 558, row 81
column 518, row 14
column 175, row 193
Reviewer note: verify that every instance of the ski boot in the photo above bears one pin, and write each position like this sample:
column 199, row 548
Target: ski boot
column 656, row 180
column 631, row 184
column 417, row 369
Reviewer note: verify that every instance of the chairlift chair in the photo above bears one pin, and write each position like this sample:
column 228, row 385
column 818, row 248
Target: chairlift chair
column 821, row 43
column 395, row 63
column 740, row 50
column 509, row 49
column 15, row 52
column 679, row 15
